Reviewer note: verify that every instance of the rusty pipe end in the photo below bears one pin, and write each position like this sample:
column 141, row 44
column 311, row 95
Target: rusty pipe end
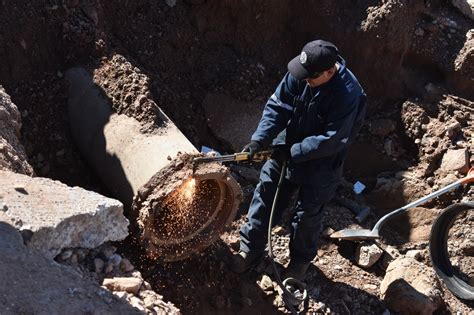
column 186, row 210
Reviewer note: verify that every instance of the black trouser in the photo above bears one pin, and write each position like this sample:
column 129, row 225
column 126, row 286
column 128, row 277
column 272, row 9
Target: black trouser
column 306, row 223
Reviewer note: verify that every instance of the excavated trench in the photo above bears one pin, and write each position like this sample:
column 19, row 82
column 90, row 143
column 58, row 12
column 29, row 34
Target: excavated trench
column 149, row 67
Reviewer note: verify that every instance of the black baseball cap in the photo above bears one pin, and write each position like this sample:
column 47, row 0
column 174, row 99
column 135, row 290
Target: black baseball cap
column 316, row 56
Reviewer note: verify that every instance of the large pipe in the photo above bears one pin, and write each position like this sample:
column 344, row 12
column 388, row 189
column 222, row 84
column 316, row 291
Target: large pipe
column 178, row 212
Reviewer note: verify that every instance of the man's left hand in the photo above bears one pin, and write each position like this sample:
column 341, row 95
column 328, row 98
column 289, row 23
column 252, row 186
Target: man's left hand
column 281, row 153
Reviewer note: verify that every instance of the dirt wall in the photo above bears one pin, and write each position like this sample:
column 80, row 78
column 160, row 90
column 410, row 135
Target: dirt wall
column 12, row 154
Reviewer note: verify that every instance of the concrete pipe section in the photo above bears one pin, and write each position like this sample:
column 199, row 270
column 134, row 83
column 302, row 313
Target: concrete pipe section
column 177, row 210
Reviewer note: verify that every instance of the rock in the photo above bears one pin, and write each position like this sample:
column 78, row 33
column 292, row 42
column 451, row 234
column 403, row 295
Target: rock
column 465, row 6
column 98, row 265
column 414, row 253
column 127, row 284
column 126, row 265
column 109, row 268
column 74, row 260
column 452, row 130
column 410, row 287
column 367, row 254
column 382, row 127
column 464, row 65
column 115, row 260
column 232, row 120
column 137, row 303
column 108, row 251
column 369, row 286
column 34, row 284
column 60, row 216
column 455, row 160
column 12, row 153
column 66, row 254
column 279, row 230
column 266, row 284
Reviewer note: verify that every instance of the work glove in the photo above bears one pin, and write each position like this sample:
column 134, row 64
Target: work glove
column 281, row 153
column 252, row 148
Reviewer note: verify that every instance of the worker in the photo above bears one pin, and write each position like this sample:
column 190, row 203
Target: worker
column 310, row 122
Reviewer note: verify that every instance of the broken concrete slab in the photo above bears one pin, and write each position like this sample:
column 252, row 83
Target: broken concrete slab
column 34, row 284
column 52, row 216
column 232, row 120
column 411, row 287
column 455, row 160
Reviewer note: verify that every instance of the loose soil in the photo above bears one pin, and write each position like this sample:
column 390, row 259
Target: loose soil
column 409, row 55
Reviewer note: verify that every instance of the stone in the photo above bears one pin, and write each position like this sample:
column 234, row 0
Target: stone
column 367, row 254
column 137, row 303
column 127, row 284
column 109, row 268
column 266, row 284
column 108, row 251
column 231, row 120
column 115, row 260
column 465, row 6
column 13, row 156
column 98, row 265
column 455, row 160
column 126, row 265
column 60, row 216
column 410, row 287
column 279, row 230
column 414, row 253
column 66, row 254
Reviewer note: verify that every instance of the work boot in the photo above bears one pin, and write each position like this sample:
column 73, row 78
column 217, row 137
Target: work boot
column 243, row 262
column 296, row 269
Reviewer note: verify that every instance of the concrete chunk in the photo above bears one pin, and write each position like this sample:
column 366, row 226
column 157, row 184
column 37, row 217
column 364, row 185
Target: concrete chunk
column 53, row 216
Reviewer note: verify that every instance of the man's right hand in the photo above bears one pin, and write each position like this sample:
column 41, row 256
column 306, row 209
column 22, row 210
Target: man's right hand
column 252, row 148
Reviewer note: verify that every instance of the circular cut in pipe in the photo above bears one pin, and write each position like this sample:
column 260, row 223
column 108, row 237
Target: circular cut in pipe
column 177, row 212
column 181, row 212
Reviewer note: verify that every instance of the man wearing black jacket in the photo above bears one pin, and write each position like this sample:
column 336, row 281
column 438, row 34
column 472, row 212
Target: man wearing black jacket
column 310, row 121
